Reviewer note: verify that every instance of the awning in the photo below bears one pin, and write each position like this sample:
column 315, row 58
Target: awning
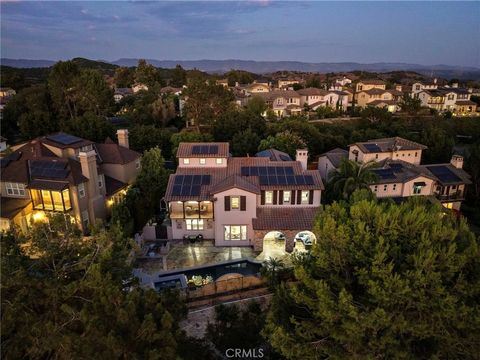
column 48, row 185
column 421, row 183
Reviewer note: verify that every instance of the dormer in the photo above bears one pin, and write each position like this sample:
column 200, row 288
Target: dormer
column 203, row 155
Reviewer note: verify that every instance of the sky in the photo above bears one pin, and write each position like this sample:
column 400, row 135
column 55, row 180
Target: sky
column 426, row 33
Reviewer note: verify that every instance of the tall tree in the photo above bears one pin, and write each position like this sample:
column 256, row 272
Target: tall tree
column 62, row 87
column 285, row 141
column 124, row 77
column 383, row 281
column 179, row 76
column 146, row 74
column 71, row 300
column 245, row 143
column 410, row 104
column 351, row 176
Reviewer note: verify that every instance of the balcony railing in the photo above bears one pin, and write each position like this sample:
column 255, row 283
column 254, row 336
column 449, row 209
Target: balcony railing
column 458, row 195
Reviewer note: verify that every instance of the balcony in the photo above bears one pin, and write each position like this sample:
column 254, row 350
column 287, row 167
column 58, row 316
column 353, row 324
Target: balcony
column 456, row 195
column 191, row 210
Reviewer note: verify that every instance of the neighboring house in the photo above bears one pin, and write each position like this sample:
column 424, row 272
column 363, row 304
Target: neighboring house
column 257, row 88
column 287, row 83
column 3, row 144
column 66, row 174
column 274, row 155
column 426, row 85
column 238, row 200
column 433, row 99
column 283, row 102
column 370, row 84
column 171, row 90
column 395, row 148
column 139, row 87
column 456, row 100
column 316, row 98
column 379, row 98
column 344, row 81
column 223, row 82
column 120, row 93
column 330, row 161
column 6, row 92
column 399, row 173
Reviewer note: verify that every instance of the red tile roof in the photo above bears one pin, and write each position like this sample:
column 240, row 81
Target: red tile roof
column 284, row 218
column 185, row 150
column 112, row 153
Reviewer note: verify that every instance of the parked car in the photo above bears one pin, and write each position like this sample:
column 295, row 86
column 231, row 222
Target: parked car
column 279, row 236
column 304, row 237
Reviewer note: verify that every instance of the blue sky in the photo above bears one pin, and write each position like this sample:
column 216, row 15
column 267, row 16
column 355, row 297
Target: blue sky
column 416, row 32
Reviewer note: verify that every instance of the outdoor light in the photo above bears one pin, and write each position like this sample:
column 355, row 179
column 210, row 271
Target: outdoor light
column 38, row 216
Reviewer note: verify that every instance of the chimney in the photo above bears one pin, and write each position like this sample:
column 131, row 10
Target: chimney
column 455, row 85
column 435, row 80
column 88, row 162
column 457, row 161
column 302, row 157
column 122, row 136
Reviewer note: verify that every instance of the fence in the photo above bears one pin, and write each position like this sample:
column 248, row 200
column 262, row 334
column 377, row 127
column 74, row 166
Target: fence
column 225, row 286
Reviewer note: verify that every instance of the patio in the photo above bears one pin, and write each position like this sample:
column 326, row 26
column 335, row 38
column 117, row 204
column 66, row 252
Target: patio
column 184, row 255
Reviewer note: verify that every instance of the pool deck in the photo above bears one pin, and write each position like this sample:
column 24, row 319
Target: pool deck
column 182, row 256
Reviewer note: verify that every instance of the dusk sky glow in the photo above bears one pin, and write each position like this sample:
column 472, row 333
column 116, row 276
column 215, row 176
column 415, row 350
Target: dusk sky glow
column 415, row 32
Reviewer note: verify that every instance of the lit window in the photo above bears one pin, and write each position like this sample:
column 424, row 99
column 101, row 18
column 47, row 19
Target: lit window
column 234, row 202
column 235, row 232
column 305, row 197
column 417, row 189
column 269, row 197
column 81, row 190
column 15, row 189
column 203, row 161
column 194, row 224
column 287, row 195
column 186, row 161
column 219, row 161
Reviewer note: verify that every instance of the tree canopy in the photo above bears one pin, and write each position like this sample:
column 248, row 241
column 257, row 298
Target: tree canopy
column 382, row 281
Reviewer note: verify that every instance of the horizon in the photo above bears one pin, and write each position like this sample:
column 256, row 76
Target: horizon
column 322, row 32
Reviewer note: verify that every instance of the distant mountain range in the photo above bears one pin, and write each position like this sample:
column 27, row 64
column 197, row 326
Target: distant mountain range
column 262, row 67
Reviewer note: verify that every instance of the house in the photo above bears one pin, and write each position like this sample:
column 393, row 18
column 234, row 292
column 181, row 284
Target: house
column 274, row 155
column 6, row 92
column 223, row 82
column 139, row 87
column 171, row 90
column 370, row 84
column 433, row 99
column 257, row 88
column 66, row 174
column 344, row 81
column 237, row 201
column 316, row 98
column 454, row 99
column 330, row 161
column 283, row 102
column 379, row 98
column 399, row 172
column 426, row 85
column 120, row 93
column 395, row 148
column 286, row 83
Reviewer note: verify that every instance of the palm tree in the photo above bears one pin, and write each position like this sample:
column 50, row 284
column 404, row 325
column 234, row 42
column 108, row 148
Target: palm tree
column 271, row 269
column 351, row 176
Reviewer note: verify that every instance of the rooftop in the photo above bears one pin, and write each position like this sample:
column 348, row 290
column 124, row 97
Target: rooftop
column 204, row 150
column 388, row 145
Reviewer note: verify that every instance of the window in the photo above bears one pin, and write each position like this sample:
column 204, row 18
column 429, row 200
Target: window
column 137, row 164
column 376, row 156
column 81, row 190
column 234, row 202
column 375, row 188
column 51, row 200
column 219, row 161
column 85, row 220
column 417, row 189
column 416, row 154
column 203, row 161
column 394, row 187
column 287, row 196
column 186, row 161
column 385, row 187
column 268, row 197
column 86, row 148
column 194, row 224
column 100, row 181
column 15, row 189
column 235, row 232
column 305, row 197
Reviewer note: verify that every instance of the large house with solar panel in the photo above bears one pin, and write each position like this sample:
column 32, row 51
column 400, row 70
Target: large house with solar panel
column 399, row 173
column 238, row 200
column 66, row 174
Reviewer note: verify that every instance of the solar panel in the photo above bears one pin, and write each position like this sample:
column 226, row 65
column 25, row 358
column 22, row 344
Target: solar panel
column 282, row 180
column 263, row 179
column 185, row 190
column 195, row 190
column 48, row 169
column 213, row 149
column 271, row 171
column 290, row 179
column 64, row 139
column 444, row 174
column 196, row 149
column 178, row 180
column 308, row 179
column 177, row 190
column 372, row 147
column 254, row 171
column 205, row 180
column 262, row 170
column 245, row 171
column 288, row 170
column 272, row 180
column 300, row 180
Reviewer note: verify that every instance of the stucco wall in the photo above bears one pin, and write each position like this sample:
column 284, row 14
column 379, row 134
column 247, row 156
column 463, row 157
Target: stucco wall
column 209, row 163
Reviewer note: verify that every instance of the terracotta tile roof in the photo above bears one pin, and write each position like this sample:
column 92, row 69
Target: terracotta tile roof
column 12, row 206
column 284, row 218
column 465, row 102
column 390, row 144
column 186, row 150
column 317, row 103
column 112, row 153
column 379, row 102
column 235, row 181
column 312, row 91
column 272, row 95
column 372, row 82
column 374, row 91
column 233, row 168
